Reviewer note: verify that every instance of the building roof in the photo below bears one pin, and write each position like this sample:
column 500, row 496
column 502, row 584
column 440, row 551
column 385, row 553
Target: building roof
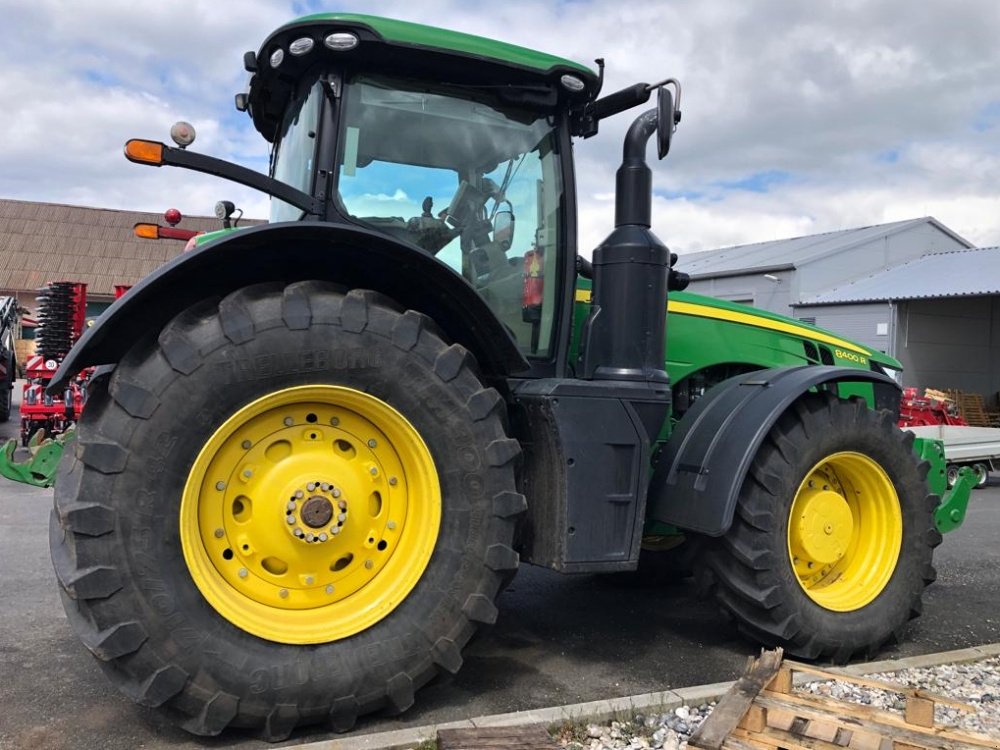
column 960, row 273
column 42, row 242
column 779, row 255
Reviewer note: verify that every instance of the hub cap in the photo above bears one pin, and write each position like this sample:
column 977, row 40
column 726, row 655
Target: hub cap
column 845, row 531
column 310, row 514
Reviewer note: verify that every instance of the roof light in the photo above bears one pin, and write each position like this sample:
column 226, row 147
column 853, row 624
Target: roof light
column 341, row 41
column 182, row 133
column 276, row 57
column 301, row 46
column 572, row 83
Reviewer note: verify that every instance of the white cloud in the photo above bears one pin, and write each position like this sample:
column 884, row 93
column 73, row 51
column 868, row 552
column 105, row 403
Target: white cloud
column 864, row 110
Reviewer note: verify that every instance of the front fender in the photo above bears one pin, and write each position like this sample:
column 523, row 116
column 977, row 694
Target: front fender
column 296, row 251
column 698, row 479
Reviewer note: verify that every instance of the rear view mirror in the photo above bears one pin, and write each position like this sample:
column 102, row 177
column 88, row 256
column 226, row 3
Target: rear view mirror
column 503, row 229
column 664, row 120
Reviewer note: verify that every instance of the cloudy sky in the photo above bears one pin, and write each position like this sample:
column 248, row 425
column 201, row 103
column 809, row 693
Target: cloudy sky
column 799, row 117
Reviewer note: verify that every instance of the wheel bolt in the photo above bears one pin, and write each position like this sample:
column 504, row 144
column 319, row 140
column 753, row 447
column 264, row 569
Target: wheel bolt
column 297, row 532
column 334, row 421
column 342, row 505
column 369, row 564
column 311, row 487
column 242, row 573
column 392, row 481
column 336, row 492
column 325, row 487
column 335, row 530
column 342, row 517
column 309, row 537
column 247, row 473
column 323, row 537
column 299, row 494
column 372, row 443
column 220, row 485
column 290, row 518
column 309, row 580
column 219, row 533
column 246, row 445
column 374, row 471
column 291, row 505
column 283, row 593
column 289, row 421
column 329, row 588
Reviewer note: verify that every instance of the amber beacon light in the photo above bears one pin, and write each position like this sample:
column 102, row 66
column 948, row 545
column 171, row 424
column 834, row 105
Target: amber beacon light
column 144, row 152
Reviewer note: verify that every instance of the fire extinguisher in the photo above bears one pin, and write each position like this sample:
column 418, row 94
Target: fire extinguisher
column 534, row 285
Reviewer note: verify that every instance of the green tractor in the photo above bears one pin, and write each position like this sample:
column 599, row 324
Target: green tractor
column 315, row 450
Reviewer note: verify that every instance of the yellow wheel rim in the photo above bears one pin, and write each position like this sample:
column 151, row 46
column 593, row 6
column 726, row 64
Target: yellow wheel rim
column 845, row 531
column 310, row 514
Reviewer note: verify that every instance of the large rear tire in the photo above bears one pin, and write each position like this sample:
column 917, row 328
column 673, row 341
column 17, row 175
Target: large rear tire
column 294, row 506
column 830, row 548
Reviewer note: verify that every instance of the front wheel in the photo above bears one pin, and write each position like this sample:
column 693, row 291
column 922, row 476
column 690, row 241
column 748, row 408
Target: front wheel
column 294, row 506
column 830, row 548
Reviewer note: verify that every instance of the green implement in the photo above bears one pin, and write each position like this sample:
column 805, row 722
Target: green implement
column 43, row 459
column 950, row 514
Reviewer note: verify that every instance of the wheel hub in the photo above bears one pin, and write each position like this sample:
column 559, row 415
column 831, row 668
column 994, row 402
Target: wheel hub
column 824, row 527
column 298, row 521
column 845, row 531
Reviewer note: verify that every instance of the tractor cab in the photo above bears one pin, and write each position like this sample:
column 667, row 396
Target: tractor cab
column 473, row 181
column 446, row 149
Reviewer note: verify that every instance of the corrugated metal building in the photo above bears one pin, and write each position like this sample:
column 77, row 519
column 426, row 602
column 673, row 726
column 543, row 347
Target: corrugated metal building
column 914, row 289
column 941, row 311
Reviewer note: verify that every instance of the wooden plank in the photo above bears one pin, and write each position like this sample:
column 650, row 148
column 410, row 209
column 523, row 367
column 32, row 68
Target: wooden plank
column 782, row 682
column 919, row 711
column 872, row 720
column 533, row 737
column 878, row 685
column 755, row 719
column 735, row 703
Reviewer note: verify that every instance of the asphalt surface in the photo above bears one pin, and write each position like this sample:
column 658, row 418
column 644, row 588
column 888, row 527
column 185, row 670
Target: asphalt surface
column 559, row 640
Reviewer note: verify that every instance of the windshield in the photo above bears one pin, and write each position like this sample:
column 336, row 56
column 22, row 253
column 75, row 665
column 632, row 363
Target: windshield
column 296, row 150
column 474, row 185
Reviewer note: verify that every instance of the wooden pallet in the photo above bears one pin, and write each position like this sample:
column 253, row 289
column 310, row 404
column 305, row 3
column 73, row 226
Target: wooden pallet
column 763, row 711
column 972, row 408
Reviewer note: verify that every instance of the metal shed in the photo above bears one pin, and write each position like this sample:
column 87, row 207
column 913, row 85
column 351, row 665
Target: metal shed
column 941, row 314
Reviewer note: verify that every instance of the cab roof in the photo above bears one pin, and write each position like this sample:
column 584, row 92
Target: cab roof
column 413, row 50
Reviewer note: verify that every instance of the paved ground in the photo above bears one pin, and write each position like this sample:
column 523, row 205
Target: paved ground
column 559, row 640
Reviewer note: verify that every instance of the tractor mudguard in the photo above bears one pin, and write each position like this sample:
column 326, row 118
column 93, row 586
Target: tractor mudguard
column 698, row 478
column 344, row 254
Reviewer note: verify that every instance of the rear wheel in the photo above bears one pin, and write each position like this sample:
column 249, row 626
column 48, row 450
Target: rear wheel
column 293, row 507
column 830, row 548
column 982, row 474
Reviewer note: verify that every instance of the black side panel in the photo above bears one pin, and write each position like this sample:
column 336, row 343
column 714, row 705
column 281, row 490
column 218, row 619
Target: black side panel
column 703, row 466
column 586, row 463
column 296, row 251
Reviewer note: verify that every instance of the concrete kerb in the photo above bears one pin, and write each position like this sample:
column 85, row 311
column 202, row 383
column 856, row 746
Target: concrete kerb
column 603, row 710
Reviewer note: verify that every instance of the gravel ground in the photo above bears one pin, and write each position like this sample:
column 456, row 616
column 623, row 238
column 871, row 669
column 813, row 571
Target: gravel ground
column 977, row 684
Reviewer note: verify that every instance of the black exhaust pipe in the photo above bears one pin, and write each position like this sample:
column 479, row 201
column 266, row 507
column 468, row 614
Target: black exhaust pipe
column 624, row 337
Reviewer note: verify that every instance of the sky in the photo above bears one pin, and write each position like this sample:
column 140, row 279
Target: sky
column 798, row 117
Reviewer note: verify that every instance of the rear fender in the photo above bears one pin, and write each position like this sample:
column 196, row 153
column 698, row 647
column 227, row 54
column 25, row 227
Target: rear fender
column 699, row 476
column 296, row 251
